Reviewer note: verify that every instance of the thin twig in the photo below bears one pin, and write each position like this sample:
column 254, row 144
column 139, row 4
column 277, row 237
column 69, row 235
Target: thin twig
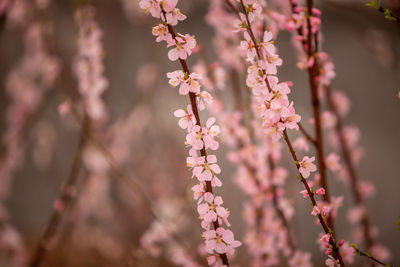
column 332, row 242
column 328, row 230
column 369, row 256
column 203, row 153
column 313, row 73
column 66, row 196
column 307, row 135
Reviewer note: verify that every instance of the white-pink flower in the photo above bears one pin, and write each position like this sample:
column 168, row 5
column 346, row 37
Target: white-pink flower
column 174, row 16
column 307, row 166
column 187, row 118
column 248, row 47
column 315, row 211
column 184, row 45
column 162, row 33
column 220, row 241
column 301, row 144
column 198, row 192
column 300, row 259
column 203, row 170
column 332, row 162
column 188, row 83
column 320, row 191
column 331, row 262
column 194, row 137
column 212, row 210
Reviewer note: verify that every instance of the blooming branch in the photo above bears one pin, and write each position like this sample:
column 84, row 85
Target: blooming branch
column 218, row 240
column 273, row 106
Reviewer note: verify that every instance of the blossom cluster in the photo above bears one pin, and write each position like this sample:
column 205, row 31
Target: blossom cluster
column 270, row 98
column 214, row 216
column 271, row 101
column 261, row 184
column 339, row 136
column 89, row 67
column 255, row 154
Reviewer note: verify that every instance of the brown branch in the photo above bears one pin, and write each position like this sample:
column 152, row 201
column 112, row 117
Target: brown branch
column 327, row 229
column 65, row 199
column 307, row 135
column 369, row 256
column 313, row 73
column 203, row 153
column 339, row 126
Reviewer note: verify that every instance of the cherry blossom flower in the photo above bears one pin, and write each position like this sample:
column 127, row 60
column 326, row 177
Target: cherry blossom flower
column 300, row 259
column 204, row 170
column 162, row 33
column 174, row 16
column 341, row 102
column 332, row 162
column 194, row 137
column 306, row 166
column 198, row 192
column 187, row 118
column 212, row 210
column 220, row 241
column 301, row 144
column 320, row 191
column 187, row 84
column 331, row 262
column 347, row 253
column 315, row 211
column 248, row 47
column 198, row 138
column 381, row 252
column 184, row 45
column 324, row 240
column 366, row 189
column 355, row 214
column 202, row 98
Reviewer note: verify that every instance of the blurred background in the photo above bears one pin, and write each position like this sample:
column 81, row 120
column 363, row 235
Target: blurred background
column 108, row 218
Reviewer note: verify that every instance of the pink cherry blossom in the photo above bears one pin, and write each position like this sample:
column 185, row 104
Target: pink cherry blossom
column 320, row 191
column 355, row 214
column 220, row 241
column 198, row 192
column 194, row 137
column 211, row 210
column 162, row 33
column 332, row 162
column 184, row 44
column 188, row 83
column 187, row 118
column 306, row 166
column 204, row 170
column 341, row 102
column 304, row 193
column 315, row 211
column 300, row 259
column 381, row 252
column 248, row 47
column 331, row 262
column 366, row 189
column 301, row 144
column 174, row 16
column 347, row 253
